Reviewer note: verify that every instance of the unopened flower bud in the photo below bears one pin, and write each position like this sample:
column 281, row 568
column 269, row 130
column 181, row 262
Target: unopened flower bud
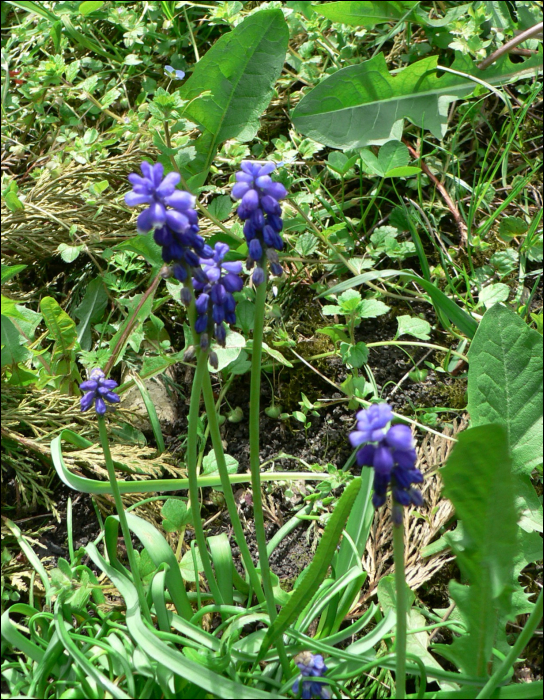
column 213, row 359
column 189, row 354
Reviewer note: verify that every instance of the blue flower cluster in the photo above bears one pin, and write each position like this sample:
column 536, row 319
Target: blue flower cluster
column 98, row 390
column 176, row 228
column 261, row 211
column 311, row 666
column 392, row 455
column 215, row 304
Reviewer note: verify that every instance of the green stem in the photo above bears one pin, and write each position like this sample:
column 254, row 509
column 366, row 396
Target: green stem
column 255, row 459
column 103, row 431
column 521, row 642
column 227, row 488
column 191, row 457
column 400, row 583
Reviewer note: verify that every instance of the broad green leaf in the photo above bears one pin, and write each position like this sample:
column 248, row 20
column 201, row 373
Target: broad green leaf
column 12, row 350
column 234, row 345
column 505, row 383
column 371, row 308
column 331, row 310
column 61, row 327
column 175, row 514
column 209, row 464
column 26, row 322
column 9, row 308
column 69, row 253
column 363, row 14
column 359, row 104
column 221, row 207
column 512, row 226
column 187, row 565
column 354, row 355
column 90, row 311
column 9, row 271
column 90, row 6
column 306, row 244
column 245, row 315
column 493, row 294
column 455, row 313
column 239, row 71
column 505, row 261
column 315, row 574
column 478, row 480
column 417, row 327
column 393, row 154
column 349, row 301
column 276, row 355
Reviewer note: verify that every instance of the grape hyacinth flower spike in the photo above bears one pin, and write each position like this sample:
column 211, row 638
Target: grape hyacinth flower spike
column 98, row 390
column 215, row 284
column 171, row 214
column 261, row 211
column 393, row 456
column 311, row 667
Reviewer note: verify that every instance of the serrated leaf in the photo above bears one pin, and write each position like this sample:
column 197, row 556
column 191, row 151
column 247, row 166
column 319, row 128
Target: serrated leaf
column 239, row 71
column 417, row 327
column 359, row 105
column 354, row 356
column 478, row 480
column 61, row 327
column 505, row 261
column 331, row 310
column 363, row 14
column 349, row 301
column 12, row 350
column 493, row 294
column 306, row 244
column 371, row 308
column 221, row 207
column 512, row 226
column 505, row 383
column 175, row 514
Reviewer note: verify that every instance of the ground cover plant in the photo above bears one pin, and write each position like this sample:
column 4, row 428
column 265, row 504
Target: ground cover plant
column 271, row 349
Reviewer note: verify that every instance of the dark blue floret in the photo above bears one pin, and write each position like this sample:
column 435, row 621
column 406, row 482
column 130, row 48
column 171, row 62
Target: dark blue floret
column 215, row 284
column 98, row 390
column 392, row 455
column 172, row 215
column 311, row 666
column 261, row 211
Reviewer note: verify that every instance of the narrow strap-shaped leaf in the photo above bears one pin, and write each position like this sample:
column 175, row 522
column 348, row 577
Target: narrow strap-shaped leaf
column 166, row 656
column 151, row 412
column 160, row 552
column 223, row 564
column 317, row 570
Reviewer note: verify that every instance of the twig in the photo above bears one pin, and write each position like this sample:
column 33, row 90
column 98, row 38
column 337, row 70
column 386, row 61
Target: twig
column 443, row 191
column 519, row 39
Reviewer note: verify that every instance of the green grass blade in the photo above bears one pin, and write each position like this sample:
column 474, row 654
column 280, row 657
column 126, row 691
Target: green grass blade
column 316, row 572
column 151, row 412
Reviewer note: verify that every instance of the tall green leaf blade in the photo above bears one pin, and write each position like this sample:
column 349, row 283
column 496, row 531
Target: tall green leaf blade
column 363, row 14
column 317, row 570
column 478, row 479
column 505, row 383
column 61, row 327
column 240, row 71
column 358, row 105
column 164, row 654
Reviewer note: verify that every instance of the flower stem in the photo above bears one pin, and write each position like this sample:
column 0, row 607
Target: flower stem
column 227, row 488
column 400, row 643
column 255, row 460
column 103, row 431
column 191, row 459
column 520, row 644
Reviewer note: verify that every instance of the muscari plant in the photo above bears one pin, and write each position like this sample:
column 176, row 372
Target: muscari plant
column 166, row 651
